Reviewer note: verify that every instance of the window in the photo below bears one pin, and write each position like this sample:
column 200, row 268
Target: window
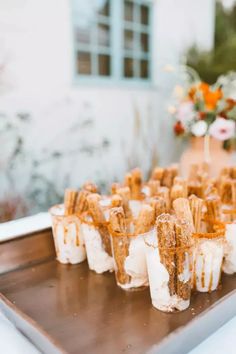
column 112, row 39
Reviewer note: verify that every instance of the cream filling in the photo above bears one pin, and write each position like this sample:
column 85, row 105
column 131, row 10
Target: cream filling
column 98, row 259
column 135, row 264
column 229, row 264
column 207, row 262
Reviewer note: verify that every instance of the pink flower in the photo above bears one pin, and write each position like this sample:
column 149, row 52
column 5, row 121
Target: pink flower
column 222, row 129
column 185, row 112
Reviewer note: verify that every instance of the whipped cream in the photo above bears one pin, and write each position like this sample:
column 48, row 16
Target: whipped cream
column 135, row 264
column 98, row 259
column 159, row 279
column 68, row 238
column 207, row 261
column 229, row 264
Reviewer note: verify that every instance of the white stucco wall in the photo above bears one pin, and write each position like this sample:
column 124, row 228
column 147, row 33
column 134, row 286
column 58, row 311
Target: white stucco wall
column 36, row 39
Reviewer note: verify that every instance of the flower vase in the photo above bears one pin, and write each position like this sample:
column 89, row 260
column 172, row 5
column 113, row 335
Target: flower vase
column 205, row 149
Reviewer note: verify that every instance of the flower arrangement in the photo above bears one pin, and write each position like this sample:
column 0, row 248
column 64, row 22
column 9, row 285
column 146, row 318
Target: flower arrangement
column 205, row 110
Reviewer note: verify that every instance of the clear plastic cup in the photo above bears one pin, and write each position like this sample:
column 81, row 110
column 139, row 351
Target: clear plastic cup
column 208, row 253
column 169, row 273
column 67, row 235
column 130, row 262
column 99, row 259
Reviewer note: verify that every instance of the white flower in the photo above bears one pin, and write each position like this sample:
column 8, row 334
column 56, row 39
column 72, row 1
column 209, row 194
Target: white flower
column 199, row 128
column 222, row 129
column 185, row 112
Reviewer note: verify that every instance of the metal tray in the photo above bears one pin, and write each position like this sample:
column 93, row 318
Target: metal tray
column 87, row 313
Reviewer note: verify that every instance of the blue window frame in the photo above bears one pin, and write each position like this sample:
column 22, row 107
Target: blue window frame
column 112, row 40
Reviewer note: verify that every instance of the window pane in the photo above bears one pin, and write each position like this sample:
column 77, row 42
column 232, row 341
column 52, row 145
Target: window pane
column 82, row 35
column 144, row 42
column 128, row 67
column 84, row 63
column 103, row 7
column 144, row 14
column 144, row 69
column 128, row 11
column 128, row 39
column 103, row 35
column 104, row 64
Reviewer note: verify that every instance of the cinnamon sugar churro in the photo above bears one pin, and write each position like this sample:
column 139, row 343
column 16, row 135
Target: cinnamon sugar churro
column 90, row 187
column 136, row 183
column 164, row 192
column 120, row 245
column 168, row 176
column 159, row 206
column 69, row 201
column 196, row 188
column 177, row 191
column 124, row 193
column 153, row 186
column 116, row 201
column 196, row 207
column 181, row 182
column 157, row 174
column 81, row 203
column 145, row 220
column 182, row 210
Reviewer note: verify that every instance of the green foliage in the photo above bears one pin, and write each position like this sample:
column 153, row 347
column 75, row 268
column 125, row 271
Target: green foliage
column 222, row 58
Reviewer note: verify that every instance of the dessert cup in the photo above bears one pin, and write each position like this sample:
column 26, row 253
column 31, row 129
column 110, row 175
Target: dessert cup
column 169, row 273
column 67, row 235
column 98, row 258
column 130, row 263
column 208, row 256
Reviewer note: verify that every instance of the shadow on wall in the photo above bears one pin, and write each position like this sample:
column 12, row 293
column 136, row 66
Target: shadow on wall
column 51, row 145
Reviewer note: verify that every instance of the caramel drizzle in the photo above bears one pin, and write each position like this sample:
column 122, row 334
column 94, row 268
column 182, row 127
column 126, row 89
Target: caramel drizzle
column 203, row 273
column 65, row 235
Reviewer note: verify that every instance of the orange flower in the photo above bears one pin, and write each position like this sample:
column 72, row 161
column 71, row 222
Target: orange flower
column 191, row 93
column 204, row 87
column 211, row 98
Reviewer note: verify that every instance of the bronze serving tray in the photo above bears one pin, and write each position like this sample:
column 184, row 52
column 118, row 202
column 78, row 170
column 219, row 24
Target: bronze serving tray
column 67, row 308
